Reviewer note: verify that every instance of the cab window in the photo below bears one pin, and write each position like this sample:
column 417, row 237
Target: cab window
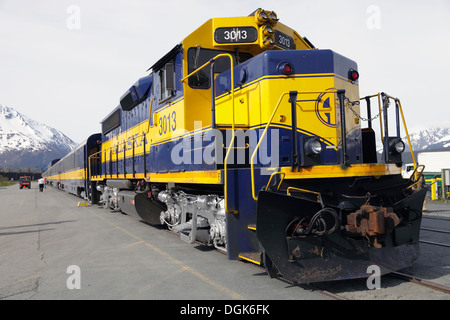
column 167, row 80
column 198, row 56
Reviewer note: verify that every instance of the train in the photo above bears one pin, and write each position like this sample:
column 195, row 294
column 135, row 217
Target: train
column 247, row 138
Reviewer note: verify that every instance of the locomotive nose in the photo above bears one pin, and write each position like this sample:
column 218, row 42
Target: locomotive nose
column 306, row 244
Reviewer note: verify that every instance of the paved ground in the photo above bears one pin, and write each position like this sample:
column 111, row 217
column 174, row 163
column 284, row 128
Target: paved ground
column 48, row 246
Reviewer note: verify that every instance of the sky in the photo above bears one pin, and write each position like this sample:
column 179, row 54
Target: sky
column 67, row 63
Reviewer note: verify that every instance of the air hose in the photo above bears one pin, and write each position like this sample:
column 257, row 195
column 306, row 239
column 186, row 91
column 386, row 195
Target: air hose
column 315, row 226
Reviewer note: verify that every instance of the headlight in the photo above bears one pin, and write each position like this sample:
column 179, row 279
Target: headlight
column 313, row 147
column 268, row 42
column 397, row 146
column 273, row 17
column 261, row 17
column 268, row 31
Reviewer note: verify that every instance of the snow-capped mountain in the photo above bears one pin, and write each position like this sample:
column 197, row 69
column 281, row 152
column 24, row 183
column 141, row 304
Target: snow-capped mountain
column 25, row 143
column 430, row 139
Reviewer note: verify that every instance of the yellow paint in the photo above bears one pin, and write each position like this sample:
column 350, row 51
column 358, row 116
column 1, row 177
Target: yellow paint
column 207, row 177
column 79, row 174
column 336, row 171
column 249, row 260
column 257, row 99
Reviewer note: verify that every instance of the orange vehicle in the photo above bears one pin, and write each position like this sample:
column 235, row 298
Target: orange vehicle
column 25, row 182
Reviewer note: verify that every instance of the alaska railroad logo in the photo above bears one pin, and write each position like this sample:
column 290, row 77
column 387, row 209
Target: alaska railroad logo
column 324, row 110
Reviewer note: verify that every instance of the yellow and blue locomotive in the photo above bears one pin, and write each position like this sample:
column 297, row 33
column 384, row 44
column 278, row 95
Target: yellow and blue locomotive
column 247, row 138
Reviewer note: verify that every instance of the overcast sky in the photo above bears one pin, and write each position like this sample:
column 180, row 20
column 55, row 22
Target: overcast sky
column 67, row 63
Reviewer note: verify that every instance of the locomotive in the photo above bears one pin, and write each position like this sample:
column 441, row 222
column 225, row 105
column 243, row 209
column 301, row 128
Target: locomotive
column 247, row 138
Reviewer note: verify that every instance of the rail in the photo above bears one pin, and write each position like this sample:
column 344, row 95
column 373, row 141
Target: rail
column 319, row 196
column 422, row 282
column 97, row 155
column 271, row 177
column 225, row 163
column 383, row 104
column 252, row 164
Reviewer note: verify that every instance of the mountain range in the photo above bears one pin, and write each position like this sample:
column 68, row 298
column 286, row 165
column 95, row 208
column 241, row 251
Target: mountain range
column 25, row 143
column 437, row 139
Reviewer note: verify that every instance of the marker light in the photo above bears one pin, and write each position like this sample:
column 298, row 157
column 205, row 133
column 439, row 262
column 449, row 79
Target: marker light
column 353, row 75
column 285, row 68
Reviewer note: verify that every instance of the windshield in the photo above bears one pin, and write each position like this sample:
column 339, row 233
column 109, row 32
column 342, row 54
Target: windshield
column 198, row 56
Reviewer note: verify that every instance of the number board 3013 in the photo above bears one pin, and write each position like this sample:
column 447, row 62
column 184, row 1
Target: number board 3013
column 284, row 41
column 235, row 35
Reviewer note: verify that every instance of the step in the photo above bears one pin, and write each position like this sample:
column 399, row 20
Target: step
column 253, row 257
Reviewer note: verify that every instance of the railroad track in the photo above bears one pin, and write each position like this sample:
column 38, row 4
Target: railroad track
column 435, row 231
column 402, row 276
column 422, row 282
column 310, row 287
column 435, row 243
column 435, row 218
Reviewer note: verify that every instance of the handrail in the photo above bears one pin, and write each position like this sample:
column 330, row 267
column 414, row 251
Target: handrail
column 319, row 195
column 403, row 120
column 406, row 129
column 279, row 183
column 133, row 137
column 381, row 122
column 252, row 165
column 225, row 164
column 124, row 142
column 150, row 114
